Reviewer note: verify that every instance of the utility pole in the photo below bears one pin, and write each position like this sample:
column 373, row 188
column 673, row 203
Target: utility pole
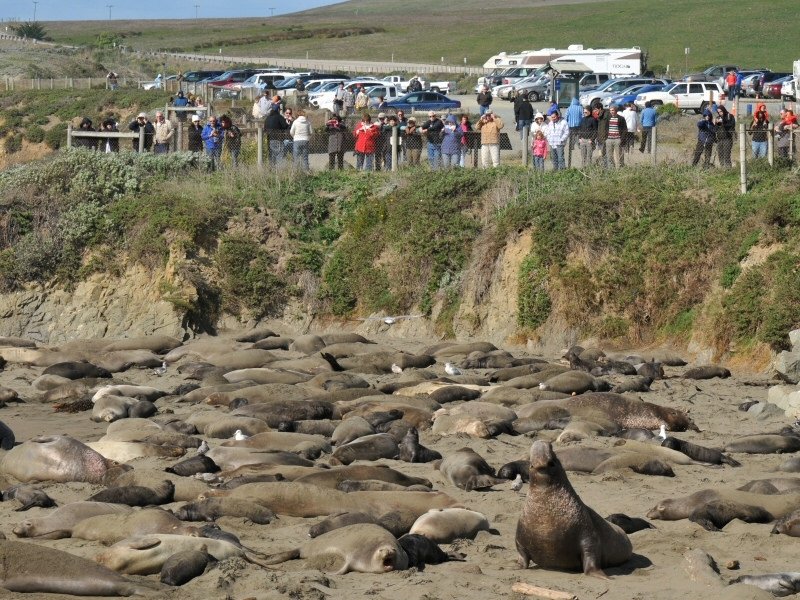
column 35, row 3
column 109, row 7
column 271, row 11
column 196, row 8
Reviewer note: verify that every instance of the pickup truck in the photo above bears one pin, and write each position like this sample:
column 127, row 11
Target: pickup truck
column 444, row 87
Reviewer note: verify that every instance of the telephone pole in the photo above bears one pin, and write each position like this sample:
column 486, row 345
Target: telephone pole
column 109, row 7
column 35, row 3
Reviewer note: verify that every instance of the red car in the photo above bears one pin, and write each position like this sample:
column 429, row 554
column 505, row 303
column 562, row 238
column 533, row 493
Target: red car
column 773, row 88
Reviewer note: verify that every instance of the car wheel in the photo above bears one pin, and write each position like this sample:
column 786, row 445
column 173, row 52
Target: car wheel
column 434, row 89
column 533, row 96
column 703, row 107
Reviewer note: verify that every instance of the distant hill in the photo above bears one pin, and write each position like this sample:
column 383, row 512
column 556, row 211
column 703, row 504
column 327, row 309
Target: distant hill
column 715, row 31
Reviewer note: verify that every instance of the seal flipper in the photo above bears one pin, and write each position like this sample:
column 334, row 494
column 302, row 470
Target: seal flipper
column 589, row 559
column 281, row 557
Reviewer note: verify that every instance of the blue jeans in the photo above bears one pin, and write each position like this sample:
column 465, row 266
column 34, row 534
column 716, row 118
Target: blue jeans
column 522, row 125
column 275, row 152
column 214, row 154
column 759, row 149
column 557, row 153
column 364, row 162
column 483, row 109
column 538, row 163
column 435, row 155
column 451, row 160
column 300, row 150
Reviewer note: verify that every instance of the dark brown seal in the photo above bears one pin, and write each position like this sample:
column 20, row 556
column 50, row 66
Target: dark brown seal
column 557, row 530
column 466, row 469
column 413, row 452
column 136, row 495
column 700, row 453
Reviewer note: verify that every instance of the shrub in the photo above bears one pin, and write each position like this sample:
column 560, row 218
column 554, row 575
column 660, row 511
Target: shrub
column 12, row 143
column 533, row 300
column 35, row 134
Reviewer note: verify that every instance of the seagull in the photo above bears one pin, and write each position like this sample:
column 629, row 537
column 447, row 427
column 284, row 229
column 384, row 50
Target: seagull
column 662, row 433
column 160, row 370
column 451, row 369
column 391, row 319
column 517, row 484
column 396, row 368
column 239, row 436
column 203, row 448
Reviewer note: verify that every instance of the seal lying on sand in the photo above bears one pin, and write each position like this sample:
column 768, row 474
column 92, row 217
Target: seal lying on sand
column 59, row 523
column 37, row 569
column 364, row 547
column 557, row 530
column 28, row 496
column 466, row 469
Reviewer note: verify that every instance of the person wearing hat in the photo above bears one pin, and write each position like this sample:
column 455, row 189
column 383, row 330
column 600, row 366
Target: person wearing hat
column 433, row 129
column 142, row 123
column 181, row 101
column 490, row 125
column 110, row 144
column 194, row 135
column 412, row 141
column 538, row 123
column 163, row 134
column 587, row 134
column 85, row 142
column 451, row 143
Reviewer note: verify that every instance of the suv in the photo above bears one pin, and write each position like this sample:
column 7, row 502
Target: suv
column 714, row 73
column 685, row 95
column 612, row 87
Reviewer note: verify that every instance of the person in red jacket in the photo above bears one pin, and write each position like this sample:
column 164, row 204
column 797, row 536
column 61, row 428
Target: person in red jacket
column 366, row 135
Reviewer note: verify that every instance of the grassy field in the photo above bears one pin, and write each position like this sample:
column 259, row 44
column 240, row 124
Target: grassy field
column 419, row 31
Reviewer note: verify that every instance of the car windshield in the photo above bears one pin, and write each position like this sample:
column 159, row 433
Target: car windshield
column 224, row 76
column 328, row 87
column 675, row 87
column 282, row 84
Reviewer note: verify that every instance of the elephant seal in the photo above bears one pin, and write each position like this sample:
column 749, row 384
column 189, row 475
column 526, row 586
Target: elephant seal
column 374, row 485
column 114, row 527
column 370, row 447
column 35, row 569
column 773, row 485
column 514, row 468
column 137, row 495
column 7, row 438
column 699, row 453
column 364, row 548
column 423, row 551
column 639, row 383
column 413, row 452
column 331, row 478
column 77, row 370
column 58, row 458
column 789, row 525
column 211, row 509
column 28, row 496
column 466, row 469
column 574, row 382
column 59, row 523
column 557, row 530
column 777, row 584
column 191, row 466
column 110, row 408
column 351, row 429
column 707, row 372
column 184, row 566
column 628, row 524
column 146, row 554
column 395, row 522
column 764, row 444
column 443, row 525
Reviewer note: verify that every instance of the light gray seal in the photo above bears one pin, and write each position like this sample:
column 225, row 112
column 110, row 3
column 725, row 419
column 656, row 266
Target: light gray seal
column 28, row 496
column 557, row 530
column 466, row 469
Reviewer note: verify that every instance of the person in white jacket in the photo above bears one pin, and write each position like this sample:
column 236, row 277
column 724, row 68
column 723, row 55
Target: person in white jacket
column 301, row 136
column 557, row 132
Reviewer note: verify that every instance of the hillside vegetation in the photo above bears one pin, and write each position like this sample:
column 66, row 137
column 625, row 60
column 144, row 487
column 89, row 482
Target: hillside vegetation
column 638, row 254
column 419, row 31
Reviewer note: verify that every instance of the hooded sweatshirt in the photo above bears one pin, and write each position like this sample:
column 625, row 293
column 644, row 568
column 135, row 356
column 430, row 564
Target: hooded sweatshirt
column 574, row 113
column 301, row 129
column 451, row 137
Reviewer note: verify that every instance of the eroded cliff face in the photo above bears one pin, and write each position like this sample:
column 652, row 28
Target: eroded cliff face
column 102, row 306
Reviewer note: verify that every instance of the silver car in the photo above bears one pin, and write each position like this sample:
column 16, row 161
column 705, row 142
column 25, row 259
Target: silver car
column 533, row 88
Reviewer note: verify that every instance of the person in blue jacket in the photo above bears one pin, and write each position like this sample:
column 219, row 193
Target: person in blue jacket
column 451, row 143
column 213, row 137
column 647, row 120
column 574, row 118
column 706, row 137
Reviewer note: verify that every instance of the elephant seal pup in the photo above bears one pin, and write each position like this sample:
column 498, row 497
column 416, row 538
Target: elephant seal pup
column 31, row 568
column 396, row 522
column 557, row 530
column 110, row 408
column 466, row 469
column 369, row 447
column 28, row 496
column 137, row 495
column 76, row 370
column 707, row 372
column 777, row 584
column 443, row 525
column 699, row 453
column 58, row 458
column 773, row 485
column 789, row 525
column 184, row 566
column 511, row 470
column 628, row 524
column 574, row 382
column 413, row 452
column 191, row 466
column 211, row 509
column 114, row 527
column 59, row 523
column 350, row 430
column 423, row 551
column 7, row 438
column 764, row 444
column 364, row 547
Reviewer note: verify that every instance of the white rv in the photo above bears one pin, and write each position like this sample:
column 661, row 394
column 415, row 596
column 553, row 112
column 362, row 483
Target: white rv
column 614, row 61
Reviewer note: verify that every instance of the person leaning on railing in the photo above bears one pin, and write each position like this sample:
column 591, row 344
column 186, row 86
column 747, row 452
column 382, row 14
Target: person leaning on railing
column 90, row 143
column 141, row 123
column 759, row 129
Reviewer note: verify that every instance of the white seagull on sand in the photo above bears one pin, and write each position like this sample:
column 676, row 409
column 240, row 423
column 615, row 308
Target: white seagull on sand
column 662, row 433
column 203, row 448
column 517, row 484
column 239, row 436
column 396, row 368
column 160, row 370
column 391, row 319
column 451, row 369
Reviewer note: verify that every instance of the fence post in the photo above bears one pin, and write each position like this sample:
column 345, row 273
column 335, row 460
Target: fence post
column 742, row 160
column 654, row 144
column 394, row 148
column 179, row 137
column 69, row 135
column 141, row 140
column 260, row 144
column 771, row 147
column 524, row 132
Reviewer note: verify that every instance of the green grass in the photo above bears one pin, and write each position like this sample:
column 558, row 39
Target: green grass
column 417, row 31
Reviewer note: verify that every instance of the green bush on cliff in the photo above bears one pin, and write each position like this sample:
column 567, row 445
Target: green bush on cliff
column 533, row 300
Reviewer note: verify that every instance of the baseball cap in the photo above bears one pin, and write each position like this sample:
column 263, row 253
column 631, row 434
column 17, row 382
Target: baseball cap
column 195, row 118
column 142, row 115
column 538, row 116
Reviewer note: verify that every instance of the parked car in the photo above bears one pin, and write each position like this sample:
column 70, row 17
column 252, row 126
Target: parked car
column 196, row 76
column 749, row 82
column 324, row 100
column 629, row 94
column 615, row 86
column 423, row 101
column 714, row 73
column 774, row 87
column 764, row 79
column 232, row 76
column 789, row 89
column 686, row 95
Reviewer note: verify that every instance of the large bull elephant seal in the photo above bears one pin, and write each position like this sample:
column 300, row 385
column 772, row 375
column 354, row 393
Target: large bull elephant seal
column 557, row 530
column 58, row 458
column 32, row 568
column 364, row 547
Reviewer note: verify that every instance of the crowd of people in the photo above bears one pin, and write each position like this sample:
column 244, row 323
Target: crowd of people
column 597, row 134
